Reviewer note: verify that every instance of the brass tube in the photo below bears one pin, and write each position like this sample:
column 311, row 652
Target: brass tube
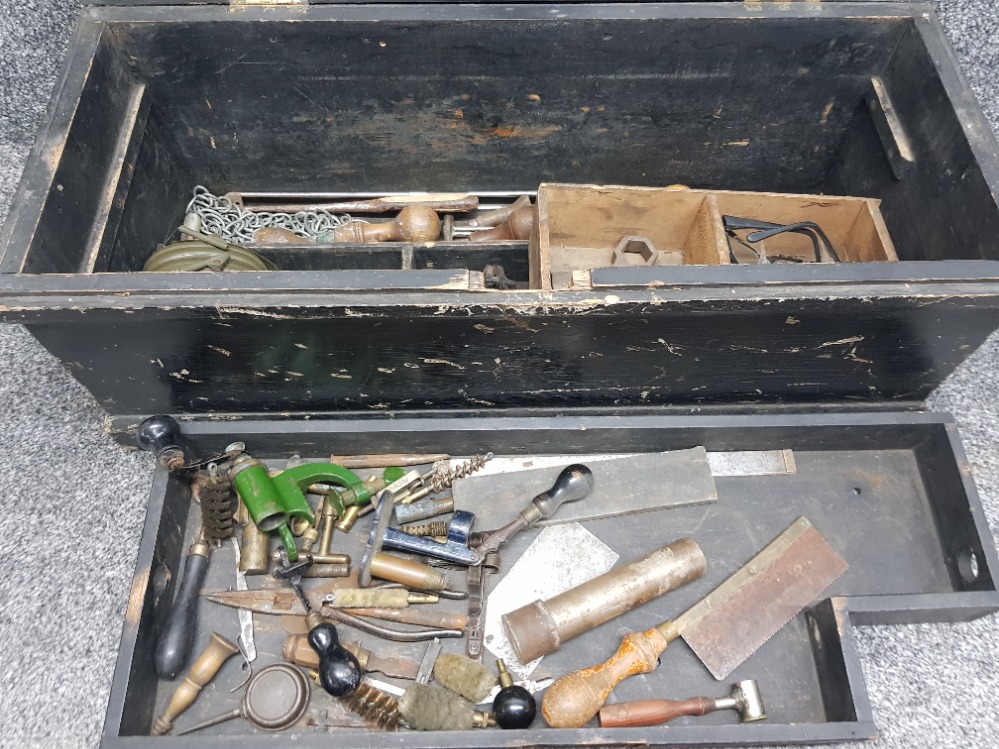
column 410, row 574
column 541, row 627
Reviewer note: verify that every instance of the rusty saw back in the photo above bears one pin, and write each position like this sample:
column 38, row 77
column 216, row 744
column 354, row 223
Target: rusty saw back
column 735, row 619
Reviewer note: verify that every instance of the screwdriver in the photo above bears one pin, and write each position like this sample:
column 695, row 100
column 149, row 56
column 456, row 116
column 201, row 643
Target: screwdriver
column 339, row 671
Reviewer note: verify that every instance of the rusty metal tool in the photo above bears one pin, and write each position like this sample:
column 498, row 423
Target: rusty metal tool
column 453, row 202
column 387, row 460
column 723, row 629
column 274, row 601
column 745, row 699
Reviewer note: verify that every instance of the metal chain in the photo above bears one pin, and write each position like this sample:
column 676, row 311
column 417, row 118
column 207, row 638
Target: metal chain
column 222, row 217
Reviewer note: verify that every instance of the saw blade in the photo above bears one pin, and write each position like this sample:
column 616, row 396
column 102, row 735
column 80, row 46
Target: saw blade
column 737, row 617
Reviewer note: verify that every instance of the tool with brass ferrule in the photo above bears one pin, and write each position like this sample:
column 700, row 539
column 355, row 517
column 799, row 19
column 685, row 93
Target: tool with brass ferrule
column 339, row 672
column 723, row 629
column 173, row 647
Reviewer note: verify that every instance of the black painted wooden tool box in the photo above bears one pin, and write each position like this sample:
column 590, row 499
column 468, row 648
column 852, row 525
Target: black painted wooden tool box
column 815, row 97
column 411, row 352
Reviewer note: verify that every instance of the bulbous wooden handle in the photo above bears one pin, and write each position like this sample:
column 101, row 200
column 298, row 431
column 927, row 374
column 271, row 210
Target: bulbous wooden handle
column 575, row 698
column 415, row 223
column 651, row 712
column 517, row 226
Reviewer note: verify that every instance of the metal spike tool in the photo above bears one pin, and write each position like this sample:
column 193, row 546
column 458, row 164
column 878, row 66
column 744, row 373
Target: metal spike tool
column 724, row 628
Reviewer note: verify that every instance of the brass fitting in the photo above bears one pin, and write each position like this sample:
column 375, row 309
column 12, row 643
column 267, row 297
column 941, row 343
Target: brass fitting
column 350, row 516
column 411, row 574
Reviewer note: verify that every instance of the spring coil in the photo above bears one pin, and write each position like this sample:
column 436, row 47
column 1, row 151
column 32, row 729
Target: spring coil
column 444, row 474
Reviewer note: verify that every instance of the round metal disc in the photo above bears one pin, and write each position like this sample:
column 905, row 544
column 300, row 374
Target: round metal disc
column 276, row 697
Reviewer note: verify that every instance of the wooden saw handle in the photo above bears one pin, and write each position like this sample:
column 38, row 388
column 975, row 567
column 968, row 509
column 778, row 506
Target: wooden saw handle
column 575, row 698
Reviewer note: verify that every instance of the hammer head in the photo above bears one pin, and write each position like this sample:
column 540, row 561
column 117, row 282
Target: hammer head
column 748, row 701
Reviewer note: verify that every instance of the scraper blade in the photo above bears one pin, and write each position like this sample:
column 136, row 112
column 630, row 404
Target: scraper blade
column 745, row 611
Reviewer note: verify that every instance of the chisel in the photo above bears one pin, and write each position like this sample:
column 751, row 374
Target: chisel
column 723, row 629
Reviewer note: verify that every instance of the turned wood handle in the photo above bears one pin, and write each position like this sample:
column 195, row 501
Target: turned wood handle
column 575, row 698
column 219, row 650
column 415, row 223
column 517, row 226
column 652, row 712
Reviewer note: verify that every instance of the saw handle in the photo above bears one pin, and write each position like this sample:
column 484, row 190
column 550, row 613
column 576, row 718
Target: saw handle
column 575, row 698
column 653, row 712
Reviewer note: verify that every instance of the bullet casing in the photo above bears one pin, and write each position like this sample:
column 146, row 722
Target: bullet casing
column 541, row 627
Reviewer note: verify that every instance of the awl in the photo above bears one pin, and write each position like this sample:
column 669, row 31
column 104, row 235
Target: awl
column 724, row 628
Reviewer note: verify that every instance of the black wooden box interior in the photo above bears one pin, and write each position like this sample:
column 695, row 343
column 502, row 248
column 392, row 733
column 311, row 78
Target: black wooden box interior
column 891, row 493
column 380, row 100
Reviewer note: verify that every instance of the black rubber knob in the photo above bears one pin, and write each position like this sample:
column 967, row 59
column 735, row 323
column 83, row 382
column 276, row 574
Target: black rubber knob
column 174, row 646
column 161, row 436
column 339, row 672
column 514, row 707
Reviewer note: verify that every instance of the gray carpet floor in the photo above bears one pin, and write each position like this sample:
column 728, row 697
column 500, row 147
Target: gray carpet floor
column 73, row 502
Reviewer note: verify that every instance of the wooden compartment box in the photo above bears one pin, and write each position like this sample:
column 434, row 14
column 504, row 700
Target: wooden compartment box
column 830, row 98
column 579, row 227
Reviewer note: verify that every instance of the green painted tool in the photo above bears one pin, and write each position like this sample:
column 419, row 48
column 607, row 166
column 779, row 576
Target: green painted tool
column 273, row 501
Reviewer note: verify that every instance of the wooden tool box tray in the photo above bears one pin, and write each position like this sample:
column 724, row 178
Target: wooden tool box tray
column 891, row 492
column 859, row 99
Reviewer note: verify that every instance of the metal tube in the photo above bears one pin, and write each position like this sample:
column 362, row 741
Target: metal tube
column 541, row 627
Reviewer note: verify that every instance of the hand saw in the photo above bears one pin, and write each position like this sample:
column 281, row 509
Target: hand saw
column 723, row 629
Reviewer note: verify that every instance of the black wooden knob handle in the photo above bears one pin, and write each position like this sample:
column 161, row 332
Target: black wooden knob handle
column 161, row 436
column 174, row 646
column 574, row 483
column 514, row 707
column 339, row 672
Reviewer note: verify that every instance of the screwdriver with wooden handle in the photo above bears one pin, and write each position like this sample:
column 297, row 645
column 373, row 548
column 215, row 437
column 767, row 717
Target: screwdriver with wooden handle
column 724, row 628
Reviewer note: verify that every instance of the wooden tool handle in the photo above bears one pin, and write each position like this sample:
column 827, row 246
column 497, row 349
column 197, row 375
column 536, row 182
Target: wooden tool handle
column 517, row 226
column 575, row 698
column 415, row 223
column 652, row 712
column 219, row 650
